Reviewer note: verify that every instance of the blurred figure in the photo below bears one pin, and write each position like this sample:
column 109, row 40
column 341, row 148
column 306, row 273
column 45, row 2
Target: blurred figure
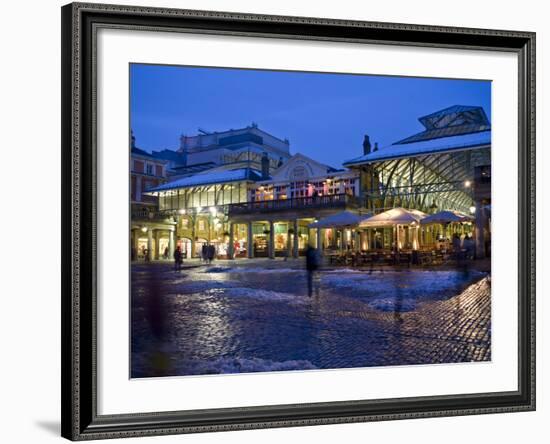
column 165, row 255
column 156, row 313
column 210, row 253
column 312, row 264
column 178, row 258
column 204, row 253
column 469, row 246
column 456, row 243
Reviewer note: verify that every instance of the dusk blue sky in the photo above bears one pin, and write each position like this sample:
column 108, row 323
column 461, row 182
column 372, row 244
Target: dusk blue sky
column 325, row 116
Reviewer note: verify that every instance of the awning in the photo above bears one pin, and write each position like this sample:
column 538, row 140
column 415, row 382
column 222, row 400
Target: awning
column 395, row 216
column 343, row 219
column 446, row 217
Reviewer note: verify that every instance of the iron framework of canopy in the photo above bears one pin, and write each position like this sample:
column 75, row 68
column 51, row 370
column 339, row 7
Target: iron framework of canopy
column 435, row 181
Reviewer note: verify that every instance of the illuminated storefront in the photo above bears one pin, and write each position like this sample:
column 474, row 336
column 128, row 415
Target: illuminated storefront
column 243, row 215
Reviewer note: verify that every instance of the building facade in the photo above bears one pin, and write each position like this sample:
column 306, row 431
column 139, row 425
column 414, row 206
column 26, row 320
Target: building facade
column 243, row 147
column 242, row 190
column 151, row 236
column 251, row 213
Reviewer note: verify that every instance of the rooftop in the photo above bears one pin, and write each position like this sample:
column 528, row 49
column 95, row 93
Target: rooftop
column 141, row 153
column 452, row 121
column 422, row 148
column 210, row 178
column 456, row 128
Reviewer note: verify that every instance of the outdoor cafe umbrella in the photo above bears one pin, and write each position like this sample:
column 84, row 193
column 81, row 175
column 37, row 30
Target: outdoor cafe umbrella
column 395, row 218
column 446, row 217
column 344, row 219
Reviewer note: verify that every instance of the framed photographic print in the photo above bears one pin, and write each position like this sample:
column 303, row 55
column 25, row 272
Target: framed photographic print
column 280, row 221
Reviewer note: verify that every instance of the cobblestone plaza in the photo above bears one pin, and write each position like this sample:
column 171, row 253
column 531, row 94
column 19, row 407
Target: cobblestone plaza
column 250, row 316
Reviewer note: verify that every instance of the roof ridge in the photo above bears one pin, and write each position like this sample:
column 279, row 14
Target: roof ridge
column 449, row 108
column 452, row 130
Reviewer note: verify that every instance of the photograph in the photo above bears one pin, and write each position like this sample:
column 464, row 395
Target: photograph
column 306, row 221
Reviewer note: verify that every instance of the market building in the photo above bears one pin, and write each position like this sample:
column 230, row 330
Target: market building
column 243, row 191
column 447, row 166
column 249, row 213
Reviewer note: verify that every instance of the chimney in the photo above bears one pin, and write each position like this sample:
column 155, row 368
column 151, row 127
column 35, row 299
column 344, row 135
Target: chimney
column 366, row 145
column 132, row 139
column 265, row 166
column 183, row 149
column 375, row 147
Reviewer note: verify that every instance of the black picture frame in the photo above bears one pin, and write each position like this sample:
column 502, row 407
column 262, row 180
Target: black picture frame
column 80, row 420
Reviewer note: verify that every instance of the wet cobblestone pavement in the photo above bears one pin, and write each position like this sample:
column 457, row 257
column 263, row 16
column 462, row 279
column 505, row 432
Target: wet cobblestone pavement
column 236, row 317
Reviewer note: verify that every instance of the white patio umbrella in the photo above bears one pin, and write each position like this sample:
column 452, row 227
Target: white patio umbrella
column 394, row 218
column 344, row 219
column 446, row 217
column 339, row 221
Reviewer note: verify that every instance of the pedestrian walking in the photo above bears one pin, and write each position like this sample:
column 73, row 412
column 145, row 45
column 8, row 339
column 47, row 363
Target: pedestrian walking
column 469, row 246
column 177, row 258
column 204, row 253
column 312, row 264
column 210, row 253
column 456, row 243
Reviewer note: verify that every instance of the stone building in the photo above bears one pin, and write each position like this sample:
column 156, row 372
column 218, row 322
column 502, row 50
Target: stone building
column 151, row 236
